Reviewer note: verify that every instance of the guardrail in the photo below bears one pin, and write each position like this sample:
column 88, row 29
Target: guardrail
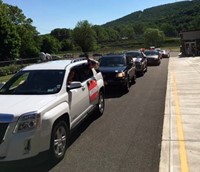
column 28, row 60
column 19, row 61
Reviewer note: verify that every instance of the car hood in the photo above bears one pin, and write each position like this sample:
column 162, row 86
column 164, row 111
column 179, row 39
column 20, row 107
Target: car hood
column 137, row 59
column 112, row 69
column 19, row 104
column 153, row 56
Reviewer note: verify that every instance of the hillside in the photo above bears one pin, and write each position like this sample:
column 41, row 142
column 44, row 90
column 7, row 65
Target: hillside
column 184, row 15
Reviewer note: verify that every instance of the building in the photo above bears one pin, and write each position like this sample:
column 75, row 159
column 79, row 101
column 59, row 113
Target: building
column 190, row 43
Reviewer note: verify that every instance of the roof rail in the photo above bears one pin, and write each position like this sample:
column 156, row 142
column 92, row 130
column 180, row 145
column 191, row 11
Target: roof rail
column 78, row 59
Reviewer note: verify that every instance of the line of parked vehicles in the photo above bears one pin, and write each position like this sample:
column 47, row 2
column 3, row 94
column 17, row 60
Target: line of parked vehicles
column 42, row 103
column 121, row 69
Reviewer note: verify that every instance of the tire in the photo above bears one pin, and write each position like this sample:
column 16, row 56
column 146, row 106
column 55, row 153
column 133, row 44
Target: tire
column 142, row 72
column 133, row 81
column 59, row 141
column 127, row 86
column 101, row 104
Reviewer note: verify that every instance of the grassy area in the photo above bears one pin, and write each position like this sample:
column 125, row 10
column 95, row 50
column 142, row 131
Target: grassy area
column 171, row 44
column 5, row 78
column 119, row 46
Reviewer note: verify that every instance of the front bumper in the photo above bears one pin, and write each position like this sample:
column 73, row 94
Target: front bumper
column 117, row 82
column 153, row 61
column 165, row 55
column 20, row 146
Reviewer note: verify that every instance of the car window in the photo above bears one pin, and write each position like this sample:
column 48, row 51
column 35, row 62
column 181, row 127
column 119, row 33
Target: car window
column 80, row 73
column 129, row 59
column 134, row 54
column 34, row 82
column 112, row 61
column 72, row 77
column 151, row 53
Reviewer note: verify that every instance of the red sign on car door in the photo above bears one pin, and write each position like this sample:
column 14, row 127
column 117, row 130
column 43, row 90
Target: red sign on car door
column 93, row 90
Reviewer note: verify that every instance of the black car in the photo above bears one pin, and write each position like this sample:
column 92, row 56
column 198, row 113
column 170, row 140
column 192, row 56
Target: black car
column 140, row 61
column 118, row 70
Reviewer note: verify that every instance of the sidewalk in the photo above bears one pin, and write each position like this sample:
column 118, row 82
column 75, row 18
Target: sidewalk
column 180, row 151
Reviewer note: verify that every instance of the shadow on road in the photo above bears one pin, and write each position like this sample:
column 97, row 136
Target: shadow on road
column 41, row 163
column 114, row 92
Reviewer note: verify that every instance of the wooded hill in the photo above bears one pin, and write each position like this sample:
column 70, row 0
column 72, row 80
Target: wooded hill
column 184, row 15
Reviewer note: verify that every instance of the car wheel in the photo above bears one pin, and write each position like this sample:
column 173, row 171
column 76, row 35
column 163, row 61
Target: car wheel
column 59, row 141
column 101, row 104
column 127, row 86
column 133, row 81
column 146, row 69
column 142, row 72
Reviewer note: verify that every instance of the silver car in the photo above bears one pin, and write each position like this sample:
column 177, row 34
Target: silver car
column 140, row 61
column 153, row 57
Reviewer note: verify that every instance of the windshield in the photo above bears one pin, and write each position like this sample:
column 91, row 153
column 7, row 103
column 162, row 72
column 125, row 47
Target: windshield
column 34, row 82
column 134, row 54
column 112, row 62
column 151, row 53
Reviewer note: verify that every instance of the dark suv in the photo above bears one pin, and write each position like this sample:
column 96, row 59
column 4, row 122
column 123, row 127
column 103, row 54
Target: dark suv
column 118, row 70
column 140, row 61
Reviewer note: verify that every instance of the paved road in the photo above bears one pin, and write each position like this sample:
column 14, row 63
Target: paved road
column 128, row 135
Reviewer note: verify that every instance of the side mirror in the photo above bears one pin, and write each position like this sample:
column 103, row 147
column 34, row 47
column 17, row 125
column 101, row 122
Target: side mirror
column 131, row 62
column 74, row 85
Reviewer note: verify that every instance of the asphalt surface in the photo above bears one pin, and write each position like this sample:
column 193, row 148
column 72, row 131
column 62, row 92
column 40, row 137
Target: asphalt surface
column 128, row 135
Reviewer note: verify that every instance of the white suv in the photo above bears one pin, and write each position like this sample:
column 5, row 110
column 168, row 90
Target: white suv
column 39, row 106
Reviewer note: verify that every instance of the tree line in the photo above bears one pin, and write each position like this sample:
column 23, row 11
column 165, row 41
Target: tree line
column 20, row 39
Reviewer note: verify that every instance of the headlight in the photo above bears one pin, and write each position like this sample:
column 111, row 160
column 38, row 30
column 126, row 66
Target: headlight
column 27, row 122
column 121, row 75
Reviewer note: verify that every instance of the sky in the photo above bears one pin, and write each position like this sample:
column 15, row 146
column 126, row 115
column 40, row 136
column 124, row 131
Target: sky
column 51, row 14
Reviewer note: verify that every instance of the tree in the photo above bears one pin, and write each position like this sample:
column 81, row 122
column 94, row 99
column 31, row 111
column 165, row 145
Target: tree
column 50, row 44
column 28, row 34
column 139, row 28
column 153, row 37
column 126, row 31
column 101, row 33
column 66, row 45
column 10, row 40
column 19, row 39
column 168, row 30
column 61, row 34
column 84, row 36
column 113, row 34
column 64, row 36
column 30, row 46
